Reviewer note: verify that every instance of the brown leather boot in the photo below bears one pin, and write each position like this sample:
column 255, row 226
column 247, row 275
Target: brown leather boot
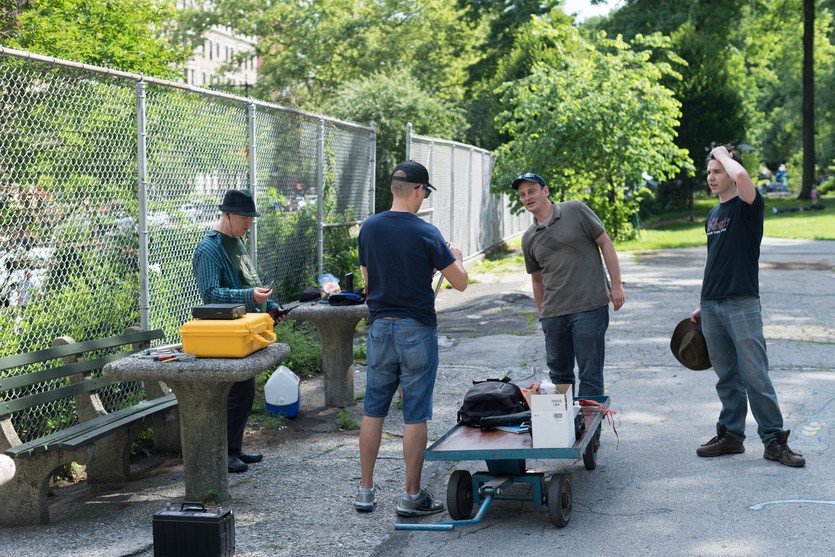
column 779, row 450
column 721, row 444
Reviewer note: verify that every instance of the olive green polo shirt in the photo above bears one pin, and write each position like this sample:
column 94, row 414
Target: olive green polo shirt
column 565, row 251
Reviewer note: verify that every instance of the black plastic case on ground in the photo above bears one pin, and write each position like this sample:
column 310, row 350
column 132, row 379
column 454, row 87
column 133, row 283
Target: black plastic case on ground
column 194, row 531
column 218, row 311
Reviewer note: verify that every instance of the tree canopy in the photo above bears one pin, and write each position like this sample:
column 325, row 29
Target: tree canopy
column 128, row 35
column 680, row 74
column 594, row 123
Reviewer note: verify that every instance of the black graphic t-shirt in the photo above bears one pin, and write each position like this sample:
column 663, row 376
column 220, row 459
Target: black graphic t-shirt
column 734, row 232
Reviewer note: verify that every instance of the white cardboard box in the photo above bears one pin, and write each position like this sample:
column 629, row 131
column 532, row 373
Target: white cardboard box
column 563, row 400
column 552, row 418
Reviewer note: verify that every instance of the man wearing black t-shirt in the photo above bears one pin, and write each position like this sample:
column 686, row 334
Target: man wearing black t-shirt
column 731, row 314
column 398, row 254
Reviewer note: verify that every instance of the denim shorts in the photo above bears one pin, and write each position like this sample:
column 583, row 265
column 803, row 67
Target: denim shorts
column 401, row 352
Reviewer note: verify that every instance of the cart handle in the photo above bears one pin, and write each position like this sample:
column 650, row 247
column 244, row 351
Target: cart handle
column 447, row 526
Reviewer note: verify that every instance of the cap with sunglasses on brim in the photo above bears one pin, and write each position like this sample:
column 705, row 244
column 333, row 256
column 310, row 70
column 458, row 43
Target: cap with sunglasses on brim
column 412, row 172
column 529, row 177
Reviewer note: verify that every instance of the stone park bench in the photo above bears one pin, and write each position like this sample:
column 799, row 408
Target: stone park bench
column 52, row 413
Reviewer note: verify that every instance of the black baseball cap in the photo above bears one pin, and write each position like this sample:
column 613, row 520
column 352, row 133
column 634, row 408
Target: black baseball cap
column 529, row 177
column 413, row 172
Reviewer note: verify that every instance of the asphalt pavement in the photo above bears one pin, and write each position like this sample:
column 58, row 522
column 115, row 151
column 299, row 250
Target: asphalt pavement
column 649, row 495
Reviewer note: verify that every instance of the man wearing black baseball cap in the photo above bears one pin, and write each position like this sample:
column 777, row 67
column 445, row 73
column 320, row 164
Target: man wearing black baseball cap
column 562, row 251
column 399, row 253
column 414, row 173
column 225, row 274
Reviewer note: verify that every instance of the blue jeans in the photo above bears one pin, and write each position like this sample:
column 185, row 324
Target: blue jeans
column 401, row 352
column 580, row 336
column 733, row 330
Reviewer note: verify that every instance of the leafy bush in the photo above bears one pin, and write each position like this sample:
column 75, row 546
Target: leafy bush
column 827, row 186
column 305, row 351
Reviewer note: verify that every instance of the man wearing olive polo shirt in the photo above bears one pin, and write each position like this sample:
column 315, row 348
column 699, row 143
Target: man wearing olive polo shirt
column 562, row 251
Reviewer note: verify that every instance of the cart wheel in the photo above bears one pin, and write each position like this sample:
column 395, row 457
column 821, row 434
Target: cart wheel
column 559, row 500
column 590, row 456
column 459, row 495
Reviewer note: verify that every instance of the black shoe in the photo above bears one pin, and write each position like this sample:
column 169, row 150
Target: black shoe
column 250, row 458
column 235, row 465
column 721, row 444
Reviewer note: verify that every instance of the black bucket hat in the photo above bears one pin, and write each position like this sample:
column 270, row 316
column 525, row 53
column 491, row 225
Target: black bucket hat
column 239, row 202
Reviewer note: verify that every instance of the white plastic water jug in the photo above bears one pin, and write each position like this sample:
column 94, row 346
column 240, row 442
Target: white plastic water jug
column 282, row 393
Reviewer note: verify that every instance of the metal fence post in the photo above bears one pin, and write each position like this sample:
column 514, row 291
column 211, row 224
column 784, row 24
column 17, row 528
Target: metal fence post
column 472, row 225
column 253, row 239
column 320, row 196
column 142, row 186
column 408, row 141
column 452, row 237
column 373, row 193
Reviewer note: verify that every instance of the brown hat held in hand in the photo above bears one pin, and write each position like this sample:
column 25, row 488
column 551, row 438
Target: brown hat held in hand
column 689, row 347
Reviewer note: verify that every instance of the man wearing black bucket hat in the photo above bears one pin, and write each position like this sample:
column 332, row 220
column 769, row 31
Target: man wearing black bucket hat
column 225, row 274
column 731, row 314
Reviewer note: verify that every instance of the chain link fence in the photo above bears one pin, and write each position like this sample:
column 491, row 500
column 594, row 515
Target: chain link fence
column 463, row 208
column 108, row 181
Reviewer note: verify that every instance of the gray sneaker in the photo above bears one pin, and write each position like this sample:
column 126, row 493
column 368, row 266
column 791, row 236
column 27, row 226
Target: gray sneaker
column 366, row 499
column 425, row 504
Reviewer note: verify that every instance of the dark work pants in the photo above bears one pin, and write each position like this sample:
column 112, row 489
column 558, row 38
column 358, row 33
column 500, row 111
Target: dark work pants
column 238, row 408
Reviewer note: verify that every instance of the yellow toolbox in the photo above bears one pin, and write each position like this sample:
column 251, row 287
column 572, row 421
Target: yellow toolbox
column 227, row 338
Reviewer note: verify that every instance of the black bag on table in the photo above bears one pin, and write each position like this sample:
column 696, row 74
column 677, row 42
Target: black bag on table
column 493, row 398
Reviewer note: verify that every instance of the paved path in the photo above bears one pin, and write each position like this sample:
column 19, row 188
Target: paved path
column 650, row 494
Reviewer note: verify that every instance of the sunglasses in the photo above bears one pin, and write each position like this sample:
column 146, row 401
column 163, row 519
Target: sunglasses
column 426, row 191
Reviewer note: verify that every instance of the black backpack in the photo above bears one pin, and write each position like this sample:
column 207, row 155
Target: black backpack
column 493, row 398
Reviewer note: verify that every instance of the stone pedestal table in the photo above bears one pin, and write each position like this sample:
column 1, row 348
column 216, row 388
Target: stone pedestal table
column 202, row 387
column 336, row 326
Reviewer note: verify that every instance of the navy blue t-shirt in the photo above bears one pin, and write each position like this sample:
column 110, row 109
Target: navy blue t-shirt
column 734, row 233
column 399, row 251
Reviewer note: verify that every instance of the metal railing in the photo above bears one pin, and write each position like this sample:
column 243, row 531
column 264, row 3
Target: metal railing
column 463, row 207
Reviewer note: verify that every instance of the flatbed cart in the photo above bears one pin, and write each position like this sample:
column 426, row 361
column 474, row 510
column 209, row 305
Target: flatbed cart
column 505, row 454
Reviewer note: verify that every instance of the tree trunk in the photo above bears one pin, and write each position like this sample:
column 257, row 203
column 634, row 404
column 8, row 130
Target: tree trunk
column 808, row 98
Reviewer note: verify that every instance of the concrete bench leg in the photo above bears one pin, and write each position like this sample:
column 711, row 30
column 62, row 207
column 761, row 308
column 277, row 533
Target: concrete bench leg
column 110, row 461
column 26, row 493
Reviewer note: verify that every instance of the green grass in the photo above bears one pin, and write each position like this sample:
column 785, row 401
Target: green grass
column 683, row 229
column 500, row 259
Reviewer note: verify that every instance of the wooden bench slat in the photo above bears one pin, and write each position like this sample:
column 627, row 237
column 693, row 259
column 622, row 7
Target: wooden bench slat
column 137, row 413
column 76, row 348
column 25, row 402
column 83, row 366
column 87, row 432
